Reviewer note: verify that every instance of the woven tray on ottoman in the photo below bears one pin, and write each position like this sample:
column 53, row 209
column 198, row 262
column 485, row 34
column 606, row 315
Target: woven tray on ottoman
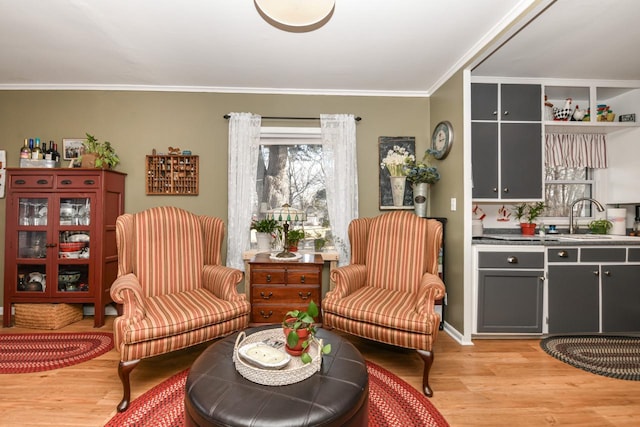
column 47, row 316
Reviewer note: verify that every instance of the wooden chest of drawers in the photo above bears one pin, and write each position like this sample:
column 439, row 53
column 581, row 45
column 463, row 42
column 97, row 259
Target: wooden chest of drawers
column 281, row 286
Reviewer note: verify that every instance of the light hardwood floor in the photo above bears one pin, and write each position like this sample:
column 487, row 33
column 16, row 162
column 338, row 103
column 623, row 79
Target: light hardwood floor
column 493, row 383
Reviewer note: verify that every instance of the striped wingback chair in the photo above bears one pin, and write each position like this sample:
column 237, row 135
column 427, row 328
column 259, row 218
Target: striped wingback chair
column 387, row 292
column 172, row 289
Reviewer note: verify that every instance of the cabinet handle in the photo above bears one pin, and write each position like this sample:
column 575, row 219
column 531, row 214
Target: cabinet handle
column 506, row 190
column 506, row 112
column 304, row 297
column 266, row 296
column 563, row 254
column 50, row 245
column 512, row 259
column 596, row 273
column 495, row 112
column 42, row 181
column 268, row 278
column 66, row 182
column 302, row 279
column 266, row 316
column 495, row 189
column 607, row 273
column 20, row 182
column 89, row 182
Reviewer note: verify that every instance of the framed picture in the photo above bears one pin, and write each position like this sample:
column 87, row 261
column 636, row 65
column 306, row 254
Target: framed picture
column 391, row 151
column 72, row 148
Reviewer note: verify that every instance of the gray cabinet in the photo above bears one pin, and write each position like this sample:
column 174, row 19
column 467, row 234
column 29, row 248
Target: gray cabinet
column 510, row 292
column 593, row 290
column 506, row 151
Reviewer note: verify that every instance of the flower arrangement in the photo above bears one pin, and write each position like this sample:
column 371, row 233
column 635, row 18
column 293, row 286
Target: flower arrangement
column 422, row 171
column 396, row 159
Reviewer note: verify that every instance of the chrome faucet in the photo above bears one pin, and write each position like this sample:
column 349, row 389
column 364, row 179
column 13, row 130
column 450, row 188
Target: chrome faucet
column 573, row 204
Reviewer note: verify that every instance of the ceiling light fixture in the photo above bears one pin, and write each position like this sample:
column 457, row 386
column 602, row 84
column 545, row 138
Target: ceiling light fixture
column 296, row 15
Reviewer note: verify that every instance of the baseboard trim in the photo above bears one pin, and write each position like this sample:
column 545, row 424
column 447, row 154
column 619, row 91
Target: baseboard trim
column 456, row 335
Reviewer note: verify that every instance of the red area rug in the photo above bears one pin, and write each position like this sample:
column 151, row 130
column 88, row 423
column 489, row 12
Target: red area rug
column 22, row 353
column 392, row 403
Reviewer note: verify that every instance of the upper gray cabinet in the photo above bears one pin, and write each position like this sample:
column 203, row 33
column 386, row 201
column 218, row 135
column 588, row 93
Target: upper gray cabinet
column 518, row 102
column 506, row 141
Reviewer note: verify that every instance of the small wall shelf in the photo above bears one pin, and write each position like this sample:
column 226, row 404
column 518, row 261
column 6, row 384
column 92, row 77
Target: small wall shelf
column 172, row 175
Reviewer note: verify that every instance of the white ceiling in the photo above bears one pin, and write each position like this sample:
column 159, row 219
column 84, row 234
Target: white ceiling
column 368, row 47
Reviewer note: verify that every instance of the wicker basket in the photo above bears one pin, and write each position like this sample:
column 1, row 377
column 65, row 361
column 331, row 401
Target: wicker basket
column 294, row 372
column 47, row 316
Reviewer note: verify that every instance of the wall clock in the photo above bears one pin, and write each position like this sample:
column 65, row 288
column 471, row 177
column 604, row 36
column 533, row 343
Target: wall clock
column 442, row 139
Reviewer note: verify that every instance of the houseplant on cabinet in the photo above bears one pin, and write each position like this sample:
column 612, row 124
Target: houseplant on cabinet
column 98, row 154
column 293, row 238
column 265, row 232
column 421, row 174
column 300, row 331
column 526, row 214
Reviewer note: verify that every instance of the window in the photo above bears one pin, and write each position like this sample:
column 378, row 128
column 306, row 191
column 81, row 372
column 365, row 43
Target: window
column 290, row 170
column 564, row 185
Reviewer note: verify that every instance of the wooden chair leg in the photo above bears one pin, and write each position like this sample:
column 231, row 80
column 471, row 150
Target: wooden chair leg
column 124, row 369
column 427, row 357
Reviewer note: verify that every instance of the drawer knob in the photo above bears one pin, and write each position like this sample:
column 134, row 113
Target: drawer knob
column 66, row 182
column 89, row 182
column 266, row 316
column 512, row 259
column 20, row 181
column 42, row 181
column 563, row 254
column 302, row 279
column 303, row 296
column 266, row 296
column 268, row 278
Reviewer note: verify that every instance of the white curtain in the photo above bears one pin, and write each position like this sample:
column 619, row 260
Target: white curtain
column 244, row 143
column 575, row 150
column 341, row 174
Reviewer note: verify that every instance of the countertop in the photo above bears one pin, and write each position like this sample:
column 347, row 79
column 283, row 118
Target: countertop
column 511, row 239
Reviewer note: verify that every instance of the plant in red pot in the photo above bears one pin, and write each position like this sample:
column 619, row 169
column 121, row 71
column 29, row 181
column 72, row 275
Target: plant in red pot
column 300, row 332
column 526, row 214
column 293, row 238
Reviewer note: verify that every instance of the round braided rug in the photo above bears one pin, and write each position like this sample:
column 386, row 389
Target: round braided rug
column 22, row 353
column 392, row 403
column 610, row 356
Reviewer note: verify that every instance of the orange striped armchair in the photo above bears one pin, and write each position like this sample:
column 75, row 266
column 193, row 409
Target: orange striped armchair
column 173, row 291
column 387, row 292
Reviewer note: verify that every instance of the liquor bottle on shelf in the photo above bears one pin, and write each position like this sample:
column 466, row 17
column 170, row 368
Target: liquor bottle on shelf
column 31, row 144
column 55, row 155
column 43, row 147
column 25, row 151
column 48, row 153
column 36, row 152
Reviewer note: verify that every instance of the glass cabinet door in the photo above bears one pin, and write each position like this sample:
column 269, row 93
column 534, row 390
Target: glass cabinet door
column 74, row 238
column 32, row 244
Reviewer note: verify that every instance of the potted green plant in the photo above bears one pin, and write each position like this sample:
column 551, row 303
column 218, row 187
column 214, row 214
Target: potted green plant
column 526, row 214
column 98, row 154
column 265, row 232
column 300, row 331
column 293, row 237
column 600, row 226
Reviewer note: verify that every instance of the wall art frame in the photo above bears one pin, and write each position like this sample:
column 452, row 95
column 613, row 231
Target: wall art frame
column 386, row 144
column 72, row 148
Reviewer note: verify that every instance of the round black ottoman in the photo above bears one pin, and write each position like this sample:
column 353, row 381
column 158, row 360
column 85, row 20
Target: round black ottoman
column 337, row 395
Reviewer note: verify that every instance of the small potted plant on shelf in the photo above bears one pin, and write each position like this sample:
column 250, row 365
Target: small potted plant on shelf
column 600, row 226
column 265, row 232
column 526, row 214
column 98, row 154
column 300, row 332
column 293, row 238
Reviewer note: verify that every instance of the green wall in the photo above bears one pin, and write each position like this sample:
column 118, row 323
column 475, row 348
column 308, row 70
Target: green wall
column 137, row 122
column 447, row 104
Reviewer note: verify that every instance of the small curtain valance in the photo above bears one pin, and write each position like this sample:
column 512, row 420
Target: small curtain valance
column 576, row 150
